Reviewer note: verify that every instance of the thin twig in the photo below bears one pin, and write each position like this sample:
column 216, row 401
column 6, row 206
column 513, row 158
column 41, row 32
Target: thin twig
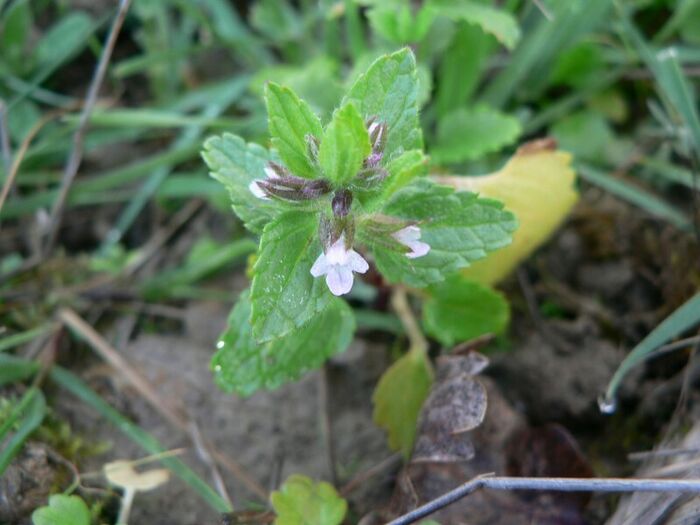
column 326, row 426
column 76, row 154
column 176, row 417
column 551, row 484
column 399, row 300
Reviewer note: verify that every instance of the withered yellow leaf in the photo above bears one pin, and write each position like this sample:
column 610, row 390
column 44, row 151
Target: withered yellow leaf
column 538, row 185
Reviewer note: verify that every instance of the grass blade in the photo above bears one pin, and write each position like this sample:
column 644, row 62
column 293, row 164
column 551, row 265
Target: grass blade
column 672, row 83
column 635, row 195
column 13, row 369
column 684, row 318
column 24, row 337
column 31, row 409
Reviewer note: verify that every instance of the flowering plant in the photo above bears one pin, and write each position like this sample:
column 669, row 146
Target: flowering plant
column 327, row 201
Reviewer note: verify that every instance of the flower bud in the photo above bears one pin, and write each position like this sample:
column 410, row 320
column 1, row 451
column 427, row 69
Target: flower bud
column 342, row 202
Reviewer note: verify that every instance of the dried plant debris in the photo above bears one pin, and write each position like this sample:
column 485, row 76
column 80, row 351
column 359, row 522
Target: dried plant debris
column 456, row 405
column 462, row 436
column 668, row 509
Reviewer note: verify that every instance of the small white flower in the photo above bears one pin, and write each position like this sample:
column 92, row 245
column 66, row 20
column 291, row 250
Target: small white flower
column 338, row 264
column 409, row 236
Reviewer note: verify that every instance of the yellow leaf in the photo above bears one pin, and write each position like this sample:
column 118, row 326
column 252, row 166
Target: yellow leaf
column 537, row 184
column 399, row 397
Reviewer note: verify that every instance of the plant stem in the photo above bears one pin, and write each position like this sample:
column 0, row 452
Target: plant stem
column 399, row 300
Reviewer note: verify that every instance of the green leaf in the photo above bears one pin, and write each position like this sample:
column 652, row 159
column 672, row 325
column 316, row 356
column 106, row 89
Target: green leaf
column 389, row 91
column 28, row 415
column 586, row 134
column 290, row 120
column 499, row 23
column 344, row 146
column 13, row 369
column 304, row 80
column 300, row 501
column 580, row 66
column 16, row 24
column 467, row 134
column 459, row 310
column 460, row 228
column 399, row 396
column 64, row 40
column 398, row 23
column 242, row 365
column 236, row 164
column 539, row 187
column 62, row 510
column 284, row 293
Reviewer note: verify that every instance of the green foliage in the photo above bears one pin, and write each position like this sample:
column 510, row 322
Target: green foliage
column 682, row 319
column 244, row 366
column 300, row 501
column 25, row 418
column 466, row 134
column 284, row 294
column 290, row 120
column 236, row 164
column 62, row 510
column 399, row 396
column 459, row 310
column 460, row 228
column 389, row 91
column 399, row 24
column 499, row 23
column 344, row 146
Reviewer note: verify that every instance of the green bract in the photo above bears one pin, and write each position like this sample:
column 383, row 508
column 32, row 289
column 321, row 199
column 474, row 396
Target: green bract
column 328, row 200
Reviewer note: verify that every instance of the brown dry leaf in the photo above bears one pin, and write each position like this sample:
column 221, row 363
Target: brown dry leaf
column 456, row 404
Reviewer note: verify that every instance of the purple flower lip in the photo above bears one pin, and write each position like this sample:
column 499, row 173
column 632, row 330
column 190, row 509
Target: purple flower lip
column 409, row 236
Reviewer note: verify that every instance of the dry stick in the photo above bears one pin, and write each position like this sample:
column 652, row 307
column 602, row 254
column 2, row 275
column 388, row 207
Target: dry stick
column 76, row 154
column 553, row 484
column 176, row 417
column 326, row 425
